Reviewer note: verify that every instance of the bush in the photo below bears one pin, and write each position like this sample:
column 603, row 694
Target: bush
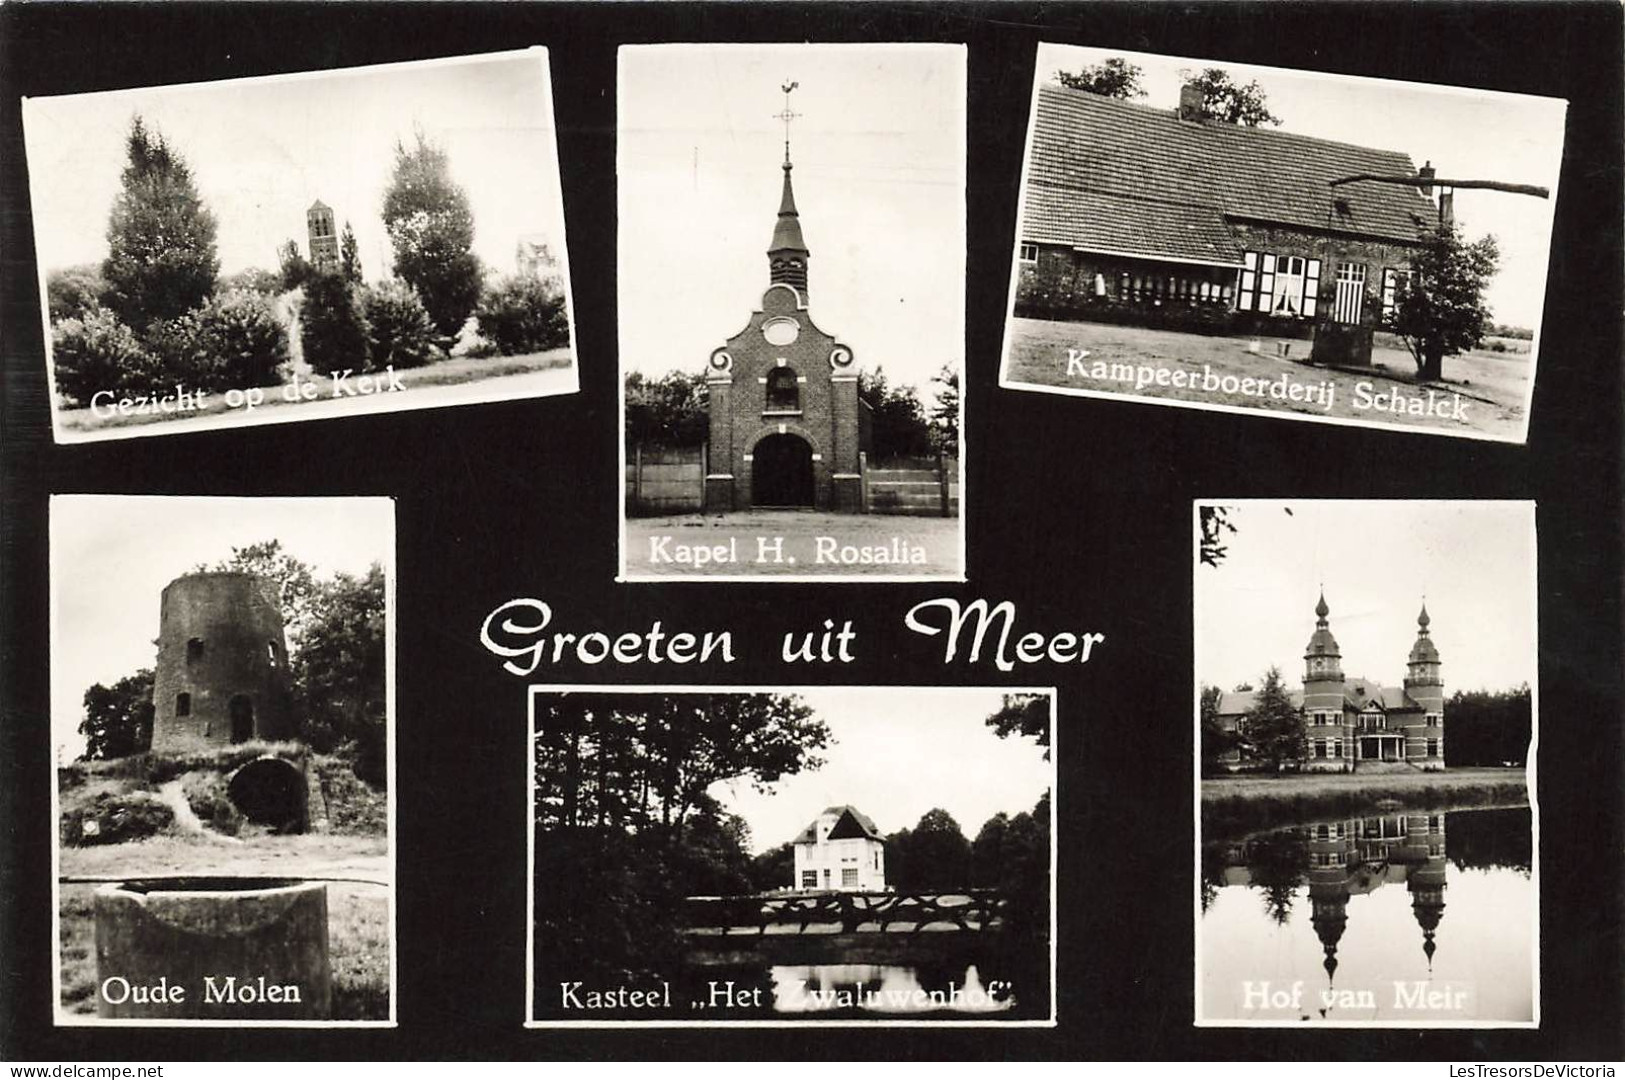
column 98, row 352
column 116, row 818
column 402, row 335
column 74, row 291
column 333, row 326
column 523, row 314
column 264, row 282
column 206, row 794
column 239, row 341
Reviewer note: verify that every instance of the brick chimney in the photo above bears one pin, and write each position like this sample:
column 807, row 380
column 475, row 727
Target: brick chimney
column 1190, row 102
column 1426, row 172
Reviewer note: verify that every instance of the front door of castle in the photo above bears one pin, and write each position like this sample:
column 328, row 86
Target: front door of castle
column 242, row 718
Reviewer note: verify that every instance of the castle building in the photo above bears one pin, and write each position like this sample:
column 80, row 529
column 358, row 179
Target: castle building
column 841, row 850
column 1355, row 722
column 324, row 239
column 222, row 672
column 786, row 423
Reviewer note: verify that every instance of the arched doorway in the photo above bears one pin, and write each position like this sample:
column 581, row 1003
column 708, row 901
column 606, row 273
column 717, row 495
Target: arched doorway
column 242, row 718
column 782, row 472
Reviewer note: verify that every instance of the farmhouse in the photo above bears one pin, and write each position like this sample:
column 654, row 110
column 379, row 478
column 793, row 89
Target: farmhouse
column 841, row 850
column 786, row 424
column 1355, row 723
column 1156, row 217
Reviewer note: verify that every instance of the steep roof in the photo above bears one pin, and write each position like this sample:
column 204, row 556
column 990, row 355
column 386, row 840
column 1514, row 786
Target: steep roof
column 850, row 823
column 1171, row 175
column 1357, row 693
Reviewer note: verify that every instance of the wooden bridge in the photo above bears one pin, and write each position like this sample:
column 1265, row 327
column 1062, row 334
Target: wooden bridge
column 958, row 910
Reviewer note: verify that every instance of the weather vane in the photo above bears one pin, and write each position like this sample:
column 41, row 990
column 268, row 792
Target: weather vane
column 787, row 116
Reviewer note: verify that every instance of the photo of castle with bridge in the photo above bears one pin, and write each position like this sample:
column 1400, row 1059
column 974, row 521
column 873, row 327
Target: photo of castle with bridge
column 677, row 880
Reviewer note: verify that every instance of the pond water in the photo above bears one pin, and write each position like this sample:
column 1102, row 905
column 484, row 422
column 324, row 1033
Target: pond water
column 1397, row 916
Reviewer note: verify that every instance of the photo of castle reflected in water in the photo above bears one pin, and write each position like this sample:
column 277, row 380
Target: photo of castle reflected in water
column 1403, row 916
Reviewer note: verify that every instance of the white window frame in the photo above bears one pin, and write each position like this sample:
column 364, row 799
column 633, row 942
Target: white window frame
column 1023, row 253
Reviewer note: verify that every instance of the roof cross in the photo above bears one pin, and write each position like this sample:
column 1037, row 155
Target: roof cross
column 787, row 115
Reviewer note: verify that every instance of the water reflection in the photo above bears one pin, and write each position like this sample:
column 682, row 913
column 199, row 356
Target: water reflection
column 882, row 988
column 1345, row 919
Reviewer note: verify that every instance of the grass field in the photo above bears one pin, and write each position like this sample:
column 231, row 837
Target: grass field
column 737, row 538
column 1493, row 387
column 459, row 380
column 1233, row 802
column 358, row 913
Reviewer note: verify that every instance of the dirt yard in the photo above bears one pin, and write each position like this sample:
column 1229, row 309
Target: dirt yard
column 358, row 912
column 748, row 543
column 1484, row 393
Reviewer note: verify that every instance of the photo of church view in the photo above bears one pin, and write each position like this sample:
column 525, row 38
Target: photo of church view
column 211, row 255
column 1342, row 815
column 756, row 855
column 792, row 414
column 1257, row 238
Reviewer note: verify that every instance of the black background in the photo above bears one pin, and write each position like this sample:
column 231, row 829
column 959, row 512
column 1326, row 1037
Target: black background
column 1078, row 510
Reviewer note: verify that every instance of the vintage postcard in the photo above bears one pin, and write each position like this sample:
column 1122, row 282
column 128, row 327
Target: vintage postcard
column 222, row 704
column 1310, row 246
column 1366, row 731
column 792, row 410
column 753, row 856
column 300, row 246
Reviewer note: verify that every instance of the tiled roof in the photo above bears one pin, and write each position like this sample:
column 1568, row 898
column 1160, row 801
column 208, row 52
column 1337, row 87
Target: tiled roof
column 1356, row 693
column 1236, row 702
column 850, row 822
column 1085, row 142
column 1095, row 221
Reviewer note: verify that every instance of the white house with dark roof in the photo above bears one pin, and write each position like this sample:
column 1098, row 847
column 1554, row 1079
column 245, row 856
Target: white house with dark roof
column 840, row 850
column 1355, row 722
column 1153, row 216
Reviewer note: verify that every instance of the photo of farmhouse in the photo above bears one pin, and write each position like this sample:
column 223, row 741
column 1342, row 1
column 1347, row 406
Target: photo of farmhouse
column 747, row 855
column 222, row 808
column 1366, row 844
column 1251, row 238
column 784, row 414
column 297, row 247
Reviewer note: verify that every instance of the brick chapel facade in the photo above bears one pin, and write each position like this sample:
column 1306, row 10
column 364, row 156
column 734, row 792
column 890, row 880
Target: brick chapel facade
column 786, row 424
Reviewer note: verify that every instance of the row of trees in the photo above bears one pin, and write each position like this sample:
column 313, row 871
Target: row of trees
column 1223, row 98
column 1483, row 727
column 156, row 311
column 336, row 634
column 670, row 411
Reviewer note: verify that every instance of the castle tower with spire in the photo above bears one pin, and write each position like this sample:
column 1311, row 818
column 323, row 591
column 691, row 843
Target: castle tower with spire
column 1324, row 695
column 785, row 425
column 1425, row 686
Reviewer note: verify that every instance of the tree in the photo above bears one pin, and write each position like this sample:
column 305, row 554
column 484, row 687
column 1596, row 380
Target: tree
column 1215, row 522
column 1440, row 311
column 295, row 268
column 773, row 869
column 297, row 592
column 1227, row 100
column 349, row 256
column 161, row 260
column 987, row 851
column 898, row 425
column 1273, row 727
column 1216, row 741
column 671, row 411
column 1023, row 714
column 945, row 413
column 933, row 855
column 338, row 672
column 118, row 718
column 333, row 325
column 1113, row 77
column 431, row 227
column 74, row 291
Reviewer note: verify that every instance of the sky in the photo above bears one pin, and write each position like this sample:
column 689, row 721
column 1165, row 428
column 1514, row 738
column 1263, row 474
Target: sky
column 879, row 156
column 896, row 753
column 112, row 555
column 1467, row 134
column 1473, row 561
column 262, row 150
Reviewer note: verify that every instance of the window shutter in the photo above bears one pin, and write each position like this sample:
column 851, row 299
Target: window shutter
column 1249, row 281
column 1311, row 289
column 1266, row 281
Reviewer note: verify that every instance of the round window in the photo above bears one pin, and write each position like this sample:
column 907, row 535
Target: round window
column 781, row 331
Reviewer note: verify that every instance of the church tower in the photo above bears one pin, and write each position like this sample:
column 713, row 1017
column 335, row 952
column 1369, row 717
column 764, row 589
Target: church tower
column 324, row 241
column 1424, row 745
column 1323, row 696
column 784, row 411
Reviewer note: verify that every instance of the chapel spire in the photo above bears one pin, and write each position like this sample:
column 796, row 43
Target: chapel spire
column 787, row 255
